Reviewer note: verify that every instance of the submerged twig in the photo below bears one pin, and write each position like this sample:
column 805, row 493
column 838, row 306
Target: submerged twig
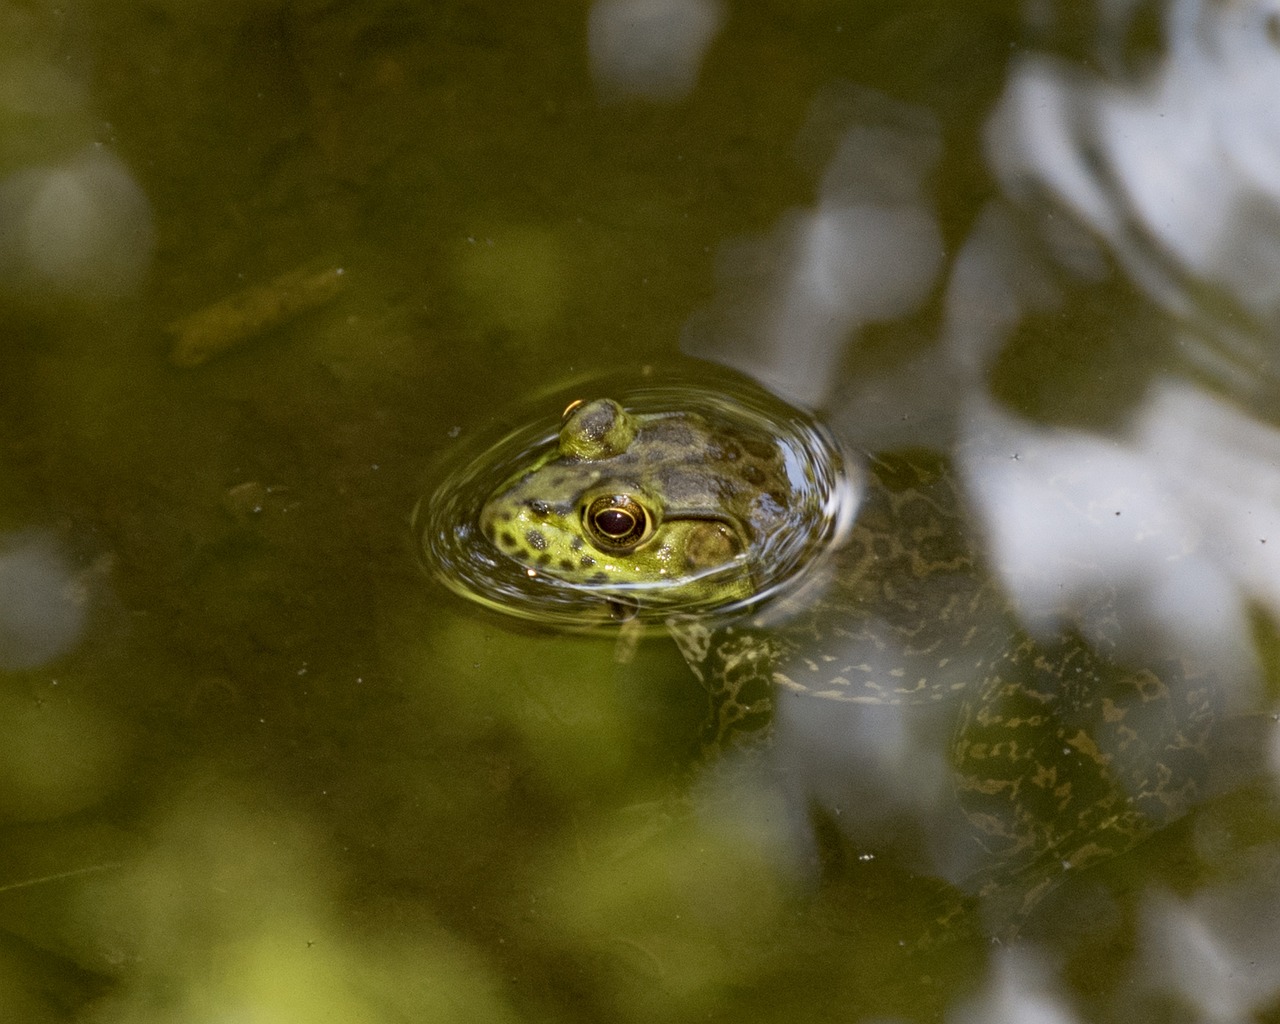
column 250, row 312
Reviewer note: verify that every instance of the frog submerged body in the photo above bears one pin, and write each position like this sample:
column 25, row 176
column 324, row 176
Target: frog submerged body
column 1060, row 756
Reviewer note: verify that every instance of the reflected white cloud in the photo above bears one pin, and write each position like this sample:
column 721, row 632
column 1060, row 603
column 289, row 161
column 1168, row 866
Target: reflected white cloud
column 650, row 49
column 869, row 250
column 869, row 766
column 878, row 774
column 1217, row 953
column 42, row 611
column 1223, row 467
column 1018, row 991
column 1179, row 173
column 997, row 278
column 1166, row 523
column 82, row 227
column 849, row 266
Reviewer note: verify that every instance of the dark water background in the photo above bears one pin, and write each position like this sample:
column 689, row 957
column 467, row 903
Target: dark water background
column 255, row 766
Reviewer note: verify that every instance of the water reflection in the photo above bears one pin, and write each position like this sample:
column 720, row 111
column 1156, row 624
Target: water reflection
column 1176, row 172
column 81, row 227
column 868, row 251
column 1217, row 952
column 464, row 822
column 228, row 915
column 1176, row 510
column 883, row 775
column 73, row 220
column 650, row 49
column 42, row 601
column 1145, row 519
column 1153, row 542
column 1021, row 989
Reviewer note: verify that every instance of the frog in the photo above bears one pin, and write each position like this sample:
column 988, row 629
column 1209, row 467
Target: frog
column 1062, row 754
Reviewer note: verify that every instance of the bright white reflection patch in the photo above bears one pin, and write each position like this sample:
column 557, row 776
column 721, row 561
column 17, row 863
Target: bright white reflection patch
column 1182, row 166
column 1223, row 467
column 41, row 612
column 849, row 266
column 1217, row 953
column 650, row 49
column 1171, row 524
column 82, row 228
column 1017, row 992
column 852, row 744
column 868, row 251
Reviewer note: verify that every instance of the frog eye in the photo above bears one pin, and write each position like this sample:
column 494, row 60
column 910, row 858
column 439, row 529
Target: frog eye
column 617, row 522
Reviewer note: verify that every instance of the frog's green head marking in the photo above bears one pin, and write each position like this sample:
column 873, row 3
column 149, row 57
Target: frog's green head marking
column 655, row 508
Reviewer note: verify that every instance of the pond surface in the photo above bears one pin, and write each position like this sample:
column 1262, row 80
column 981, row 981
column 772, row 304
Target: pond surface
column 265, row 267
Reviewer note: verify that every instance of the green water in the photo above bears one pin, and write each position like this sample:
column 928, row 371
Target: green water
column 283, row 777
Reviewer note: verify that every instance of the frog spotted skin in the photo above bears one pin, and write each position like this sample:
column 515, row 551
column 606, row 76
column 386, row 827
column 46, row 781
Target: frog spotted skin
column 659, row 506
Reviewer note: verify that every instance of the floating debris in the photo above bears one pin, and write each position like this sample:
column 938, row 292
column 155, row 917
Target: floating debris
column 246, row 314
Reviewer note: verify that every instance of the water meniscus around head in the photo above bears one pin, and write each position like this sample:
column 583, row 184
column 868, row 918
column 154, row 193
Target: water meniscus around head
column 649, row 497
